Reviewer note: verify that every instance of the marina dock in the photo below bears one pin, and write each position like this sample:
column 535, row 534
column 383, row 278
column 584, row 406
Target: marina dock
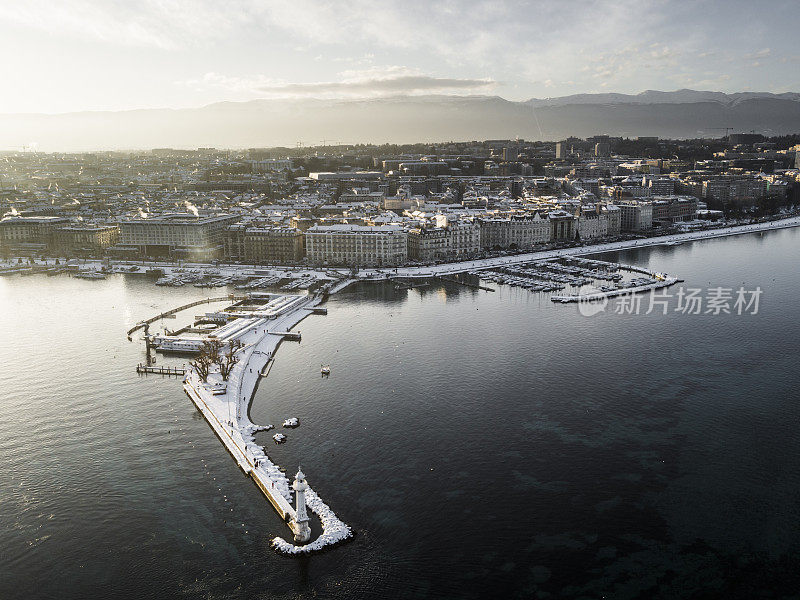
column 465, row 283
column 168, row 371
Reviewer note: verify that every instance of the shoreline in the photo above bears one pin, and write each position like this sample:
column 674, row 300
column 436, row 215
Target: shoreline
column 488, row 263
column 449, row 268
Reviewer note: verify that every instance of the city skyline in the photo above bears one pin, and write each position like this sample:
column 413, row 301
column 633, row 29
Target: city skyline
column 90, row 55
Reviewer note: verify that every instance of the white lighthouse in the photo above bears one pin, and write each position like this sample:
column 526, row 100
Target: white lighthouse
column 300, row 527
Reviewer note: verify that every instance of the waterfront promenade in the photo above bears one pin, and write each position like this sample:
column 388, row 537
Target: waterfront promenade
column 499, row 261
column 449, row 268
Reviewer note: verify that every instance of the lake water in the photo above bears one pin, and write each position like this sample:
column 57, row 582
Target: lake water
column 478, row 443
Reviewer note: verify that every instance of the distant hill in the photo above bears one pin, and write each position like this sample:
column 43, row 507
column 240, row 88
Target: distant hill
column 405, row 119
column 655, row 97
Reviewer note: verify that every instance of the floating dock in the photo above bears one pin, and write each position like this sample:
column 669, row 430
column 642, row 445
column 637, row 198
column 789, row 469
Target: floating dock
column 169, row 371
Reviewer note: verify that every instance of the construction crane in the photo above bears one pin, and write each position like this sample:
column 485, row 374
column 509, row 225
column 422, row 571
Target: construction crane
column 726, row 129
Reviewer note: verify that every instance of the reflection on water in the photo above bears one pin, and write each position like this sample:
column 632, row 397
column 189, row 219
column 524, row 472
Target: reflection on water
column 479, row 443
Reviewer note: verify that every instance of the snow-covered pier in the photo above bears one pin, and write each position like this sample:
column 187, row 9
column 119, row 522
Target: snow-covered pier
column 625, row 291
column 178, row 309
column 224, row 405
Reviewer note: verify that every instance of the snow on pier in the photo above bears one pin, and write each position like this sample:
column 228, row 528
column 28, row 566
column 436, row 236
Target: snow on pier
column 599, row 295
column 228, row 416
column 180, row 308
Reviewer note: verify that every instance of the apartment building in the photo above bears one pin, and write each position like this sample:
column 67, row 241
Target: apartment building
column 635, row 215
column 454, row 240
column 346, row 244
column 263, row 244
column 515, row 231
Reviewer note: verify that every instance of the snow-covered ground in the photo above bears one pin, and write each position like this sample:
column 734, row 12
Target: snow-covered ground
column 228, row 415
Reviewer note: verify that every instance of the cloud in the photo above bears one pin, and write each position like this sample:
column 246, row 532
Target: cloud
column 764, row 53
column 404, row 84
column 373, row 82
column 160, row 24
column 244, row 49
column 230, row 83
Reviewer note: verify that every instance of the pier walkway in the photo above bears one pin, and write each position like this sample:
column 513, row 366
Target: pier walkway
column 227, row 414
column 168, row 313
column 169, row 371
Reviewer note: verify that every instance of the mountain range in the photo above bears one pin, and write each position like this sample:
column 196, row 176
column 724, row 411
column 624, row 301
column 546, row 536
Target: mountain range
column 407, row 119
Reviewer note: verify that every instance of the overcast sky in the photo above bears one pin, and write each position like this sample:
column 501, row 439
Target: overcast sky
column 68, row 55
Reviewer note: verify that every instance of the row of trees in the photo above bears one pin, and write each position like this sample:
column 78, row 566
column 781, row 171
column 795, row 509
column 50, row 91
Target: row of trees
column 213, row 352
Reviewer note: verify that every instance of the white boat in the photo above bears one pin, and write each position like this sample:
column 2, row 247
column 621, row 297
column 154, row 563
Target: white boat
column 325, row 370
column 176, row 345
column 90, row 275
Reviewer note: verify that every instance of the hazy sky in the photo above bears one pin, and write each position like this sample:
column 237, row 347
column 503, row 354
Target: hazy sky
column 67, row 55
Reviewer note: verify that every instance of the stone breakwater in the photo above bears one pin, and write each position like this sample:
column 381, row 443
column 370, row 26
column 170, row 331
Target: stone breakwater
column 227, row 414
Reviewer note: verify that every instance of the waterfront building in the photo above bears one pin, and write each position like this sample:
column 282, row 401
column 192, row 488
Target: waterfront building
column 450, row 241
column 598, row 221
column 367, row 245
column 736, row 190
column 263, row 244
column 562, row 226
column 427, row 244
column 672, row 209
column 465, row 238
column 84, row 238
column 176, row 235
column 515, row 231
column 23, row 234
column 635, row 215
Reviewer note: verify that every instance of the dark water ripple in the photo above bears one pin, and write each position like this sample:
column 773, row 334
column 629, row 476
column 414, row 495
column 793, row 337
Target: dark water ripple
column 481, row 445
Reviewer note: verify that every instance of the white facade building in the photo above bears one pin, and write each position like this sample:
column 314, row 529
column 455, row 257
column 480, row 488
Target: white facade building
column 357, row 245
column 514, row 232
column 459, row 239
column 601, row 221
column 636, row 215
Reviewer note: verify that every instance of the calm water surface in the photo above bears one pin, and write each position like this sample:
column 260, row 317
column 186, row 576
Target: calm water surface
column 478, row 443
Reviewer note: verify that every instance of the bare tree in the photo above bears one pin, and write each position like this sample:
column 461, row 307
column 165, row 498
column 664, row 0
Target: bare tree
column 202, row 365
column 209, row 355
column 228, row 358
column 212, row 347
